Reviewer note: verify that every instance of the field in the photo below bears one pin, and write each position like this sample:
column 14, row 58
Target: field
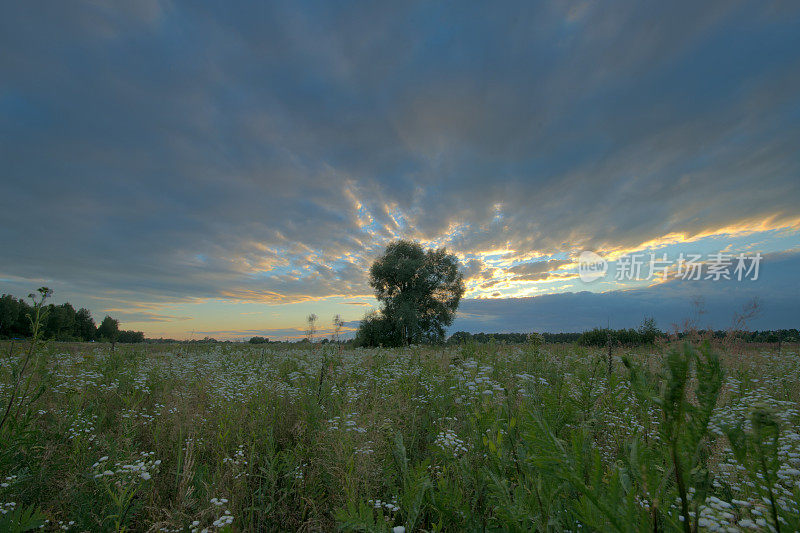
column 232, row 437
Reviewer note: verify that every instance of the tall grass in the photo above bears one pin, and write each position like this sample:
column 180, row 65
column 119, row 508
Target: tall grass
column 476, row 437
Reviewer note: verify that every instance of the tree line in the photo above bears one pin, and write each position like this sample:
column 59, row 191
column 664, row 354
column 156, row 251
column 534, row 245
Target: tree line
column 621, row 337
column 61, row 323
column 460, row 337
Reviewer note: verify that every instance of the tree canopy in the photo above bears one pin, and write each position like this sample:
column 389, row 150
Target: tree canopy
column 419, row 291
column 62, row 323
column 108, row 329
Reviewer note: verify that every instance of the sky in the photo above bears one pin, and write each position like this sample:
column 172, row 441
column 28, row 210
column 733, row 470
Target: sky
column 226, row 168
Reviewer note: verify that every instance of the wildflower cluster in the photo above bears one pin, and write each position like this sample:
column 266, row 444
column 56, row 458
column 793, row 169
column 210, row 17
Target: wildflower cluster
column 237, row 462
column 298, row 471
column 347, row 423
column 391, row 506
column 223, row 518
column 450, row 442
column 143, row 468
column 82, row 427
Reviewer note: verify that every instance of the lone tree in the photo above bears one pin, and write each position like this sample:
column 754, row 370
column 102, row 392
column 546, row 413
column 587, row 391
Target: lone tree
column 419, row 292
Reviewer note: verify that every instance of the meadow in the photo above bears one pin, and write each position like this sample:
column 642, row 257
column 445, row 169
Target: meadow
column 235, row 437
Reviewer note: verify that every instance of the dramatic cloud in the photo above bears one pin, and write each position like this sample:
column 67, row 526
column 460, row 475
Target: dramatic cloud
column 158, row 153
column 703, row 304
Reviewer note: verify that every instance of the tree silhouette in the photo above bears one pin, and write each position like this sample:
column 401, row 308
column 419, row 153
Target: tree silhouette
column 419, row 292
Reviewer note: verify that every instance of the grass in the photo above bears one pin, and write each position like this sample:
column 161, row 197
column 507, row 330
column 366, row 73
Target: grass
column 469, row 438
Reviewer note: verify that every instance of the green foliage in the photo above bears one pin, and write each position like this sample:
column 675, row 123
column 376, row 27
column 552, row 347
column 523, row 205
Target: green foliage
column 21, row 519
column 85, row 328
column 108, row 330
column 61, row 323
column 258, row 340
column 377, row 330
column 757, row 449
column 13, row 321
column 357, row 516
column 648, row 331
column 646, row 334
column 460, row 337
column 535, row 339
column 130, row 337
column 412, row 481
column 419, row 292
column 28, row 374
column 636, row 492
column 686, row 442
column 28, row 379
column 471, row 437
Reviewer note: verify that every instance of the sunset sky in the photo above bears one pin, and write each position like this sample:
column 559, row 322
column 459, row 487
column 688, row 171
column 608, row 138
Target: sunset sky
column 195, row 168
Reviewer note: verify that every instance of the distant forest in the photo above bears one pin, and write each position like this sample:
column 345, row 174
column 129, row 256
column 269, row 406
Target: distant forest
column 61, row 323
column 620, row 337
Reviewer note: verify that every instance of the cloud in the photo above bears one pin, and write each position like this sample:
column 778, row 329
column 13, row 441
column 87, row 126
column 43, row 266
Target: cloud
column 183, row 152
column 127, row 316
column 670, row 303
column 276, row 333
column 538, row 267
